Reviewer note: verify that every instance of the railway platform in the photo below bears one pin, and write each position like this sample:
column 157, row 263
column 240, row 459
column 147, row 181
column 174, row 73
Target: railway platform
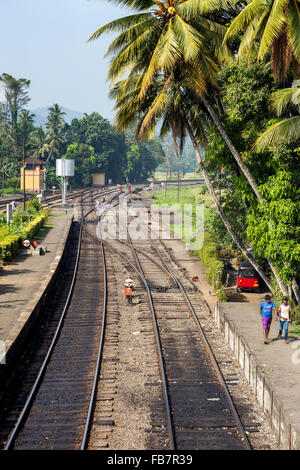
column 24, row 279
column 272, row 370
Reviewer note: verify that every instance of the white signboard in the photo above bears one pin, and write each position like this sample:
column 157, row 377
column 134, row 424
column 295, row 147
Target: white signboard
column 64, row 167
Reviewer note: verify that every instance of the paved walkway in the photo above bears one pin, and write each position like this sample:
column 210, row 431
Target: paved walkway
column 279, row 362
column 21, row 278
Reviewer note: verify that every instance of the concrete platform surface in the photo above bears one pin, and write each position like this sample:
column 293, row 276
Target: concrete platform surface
column 273, row 370
column 23, row 279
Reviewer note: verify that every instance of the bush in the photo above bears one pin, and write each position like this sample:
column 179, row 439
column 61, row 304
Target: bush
column 10, row 243
column 209, row 255
column 295, row 316
column 12, row 183
column 33, row 205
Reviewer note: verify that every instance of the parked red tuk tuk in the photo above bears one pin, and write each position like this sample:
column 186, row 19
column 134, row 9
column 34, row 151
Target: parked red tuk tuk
column 248, row 278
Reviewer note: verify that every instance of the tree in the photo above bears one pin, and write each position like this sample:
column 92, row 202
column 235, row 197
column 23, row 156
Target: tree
column 287, row 129
column 16, row 96
column 273, row 227
column 109, row 146
column 40, row 143
column 54, row 126
column 170, row 35
column 145, row 61
column 141, row 162
column 25, row 126
column 246, row 93
column 85, row 162
column 271, row 27
column 172, row 107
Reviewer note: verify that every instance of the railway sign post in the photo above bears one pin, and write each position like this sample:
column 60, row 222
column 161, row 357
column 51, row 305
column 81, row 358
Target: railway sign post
column 9, row 213
column 64, row 169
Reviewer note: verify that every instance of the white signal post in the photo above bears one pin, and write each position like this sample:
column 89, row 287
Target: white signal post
column 64, row 169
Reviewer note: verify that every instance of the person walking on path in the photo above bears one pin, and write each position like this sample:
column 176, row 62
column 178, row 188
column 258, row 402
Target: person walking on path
column 266, row 311
column 284, row 315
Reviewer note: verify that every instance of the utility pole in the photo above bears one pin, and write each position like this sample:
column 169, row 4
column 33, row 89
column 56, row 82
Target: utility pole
column 24, row 192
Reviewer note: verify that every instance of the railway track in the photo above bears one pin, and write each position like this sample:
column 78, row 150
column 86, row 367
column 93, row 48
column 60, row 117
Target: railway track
column 49, row 199
column 58, row 409
column 198, row 411
column 194, row 409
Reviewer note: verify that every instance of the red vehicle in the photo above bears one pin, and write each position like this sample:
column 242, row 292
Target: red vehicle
column 248, row 278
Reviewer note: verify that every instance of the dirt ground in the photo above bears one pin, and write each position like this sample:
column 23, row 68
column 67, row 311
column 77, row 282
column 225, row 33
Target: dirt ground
column 230, row 290
column 261, row 438
column 197, row 271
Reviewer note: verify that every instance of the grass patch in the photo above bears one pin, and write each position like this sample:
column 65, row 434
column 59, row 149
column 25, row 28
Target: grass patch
column 204, row 244
column 295, row 329
column 187, row 196
column 161, row 175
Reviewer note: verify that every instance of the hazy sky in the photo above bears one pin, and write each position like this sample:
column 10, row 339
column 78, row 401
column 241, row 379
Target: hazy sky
column 46, row 42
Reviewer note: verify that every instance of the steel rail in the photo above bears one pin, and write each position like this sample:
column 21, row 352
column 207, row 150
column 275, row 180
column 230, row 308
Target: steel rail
column 43, row 368
column 168, row 271
column 159, row 350
column 139, row 271
column 240, row 426
column 165, row 268
column 99, row 357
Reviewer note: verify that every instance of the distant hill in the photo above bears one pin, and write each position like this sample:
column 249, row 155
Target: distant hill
column 42, row 113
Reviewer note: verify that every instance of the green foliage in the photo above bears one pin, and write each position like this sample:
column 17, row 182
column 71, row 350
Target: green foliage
column 209, row 255
column 10, row 243
column 187, row 162
column 141, row 162
column 33, row 205
column 274, row 227
column 85, row 162
column 269, row 28
column 12, row 183
column 104, row 149
column 52, row 179
column 96, row 147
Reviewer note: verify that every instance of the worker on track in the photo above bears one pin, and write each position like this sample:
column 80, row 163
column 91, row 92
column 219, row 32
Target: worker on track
column 128, row 291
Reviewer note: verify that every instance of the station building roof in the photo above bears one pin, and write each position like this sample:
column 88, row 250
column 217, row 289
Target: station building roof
column 33, row 161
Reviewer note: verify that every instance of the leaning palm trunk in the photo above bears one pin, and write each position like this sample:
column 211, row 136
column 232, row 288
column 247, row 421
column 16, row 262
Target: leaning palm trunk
column 221, row 212
column 296, row 290
column 246, row 172
column 282, row 286
column 232, row 148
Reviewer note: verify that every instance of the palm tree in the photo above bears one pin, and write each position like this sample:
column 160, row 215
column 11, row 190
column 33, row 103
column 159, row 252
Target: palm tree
column 270, row 26
column 40, row 144
column 25, row 125
column 154, row 41
column 16, row 96
column 54, row 125
column 287, row 129
column 170, row 103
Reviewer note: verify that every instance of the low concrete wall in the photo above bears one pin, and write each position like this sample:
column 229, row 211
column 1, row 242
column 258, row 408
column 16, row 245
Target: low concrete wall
column 19, row 335
column 288, row 437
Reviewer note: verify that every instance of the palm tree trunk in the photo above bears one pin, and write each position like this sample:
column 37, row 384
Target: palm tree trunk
column 232, row 148
column 296, row 290
column 245, row 170
column 282, row 286
column 220, row 209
